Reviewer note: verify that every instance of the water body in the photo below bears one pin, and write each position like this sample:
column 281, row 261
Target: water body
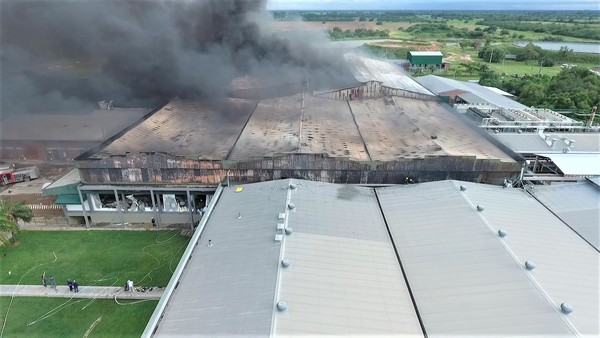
column 578, row 47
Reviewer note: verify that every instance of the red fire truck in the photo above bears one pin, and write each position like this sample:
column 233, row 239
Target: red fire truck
column 9, row 174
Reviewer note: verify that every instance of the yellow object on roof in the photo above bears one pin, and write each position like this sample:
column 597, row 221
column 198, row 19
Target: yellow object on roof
column 239, row 189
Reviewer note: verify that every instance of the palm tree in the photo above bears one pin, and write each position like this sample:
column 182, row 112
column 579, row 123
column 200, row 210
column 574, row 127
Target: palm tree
column 10, row 214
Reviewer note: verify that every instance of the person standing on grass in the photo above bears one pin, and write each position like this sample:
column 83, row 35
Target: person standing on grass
column 75, row 286
column 52, row 282
column 70, row 284
column 130, row 285
column 44, row 279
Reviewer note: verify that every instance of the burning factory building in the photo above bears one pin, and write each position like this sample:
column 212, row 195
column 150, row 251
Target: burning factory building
column 244, row 103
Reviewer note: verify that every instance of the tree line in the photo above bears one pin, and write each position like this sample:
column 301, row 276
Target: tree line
column 575, row 88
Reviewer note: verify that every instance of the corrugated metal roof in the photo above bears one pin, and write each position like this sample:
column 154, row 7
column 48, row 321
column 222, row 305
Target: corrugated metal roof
column 481, row 94
column 405, row 130
column 344, row 278
column 577, row 164
column 439, row 85
column 577, row 204
column 228, row 288
column 493, row 97
column 390, row 75
column 464, row 279
column 188, row 128
column 567, row 269
column 95, row 125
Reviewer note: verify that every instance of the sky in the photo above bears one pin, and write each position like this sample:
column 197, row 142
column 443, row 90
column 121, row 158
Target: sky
column 435, row 4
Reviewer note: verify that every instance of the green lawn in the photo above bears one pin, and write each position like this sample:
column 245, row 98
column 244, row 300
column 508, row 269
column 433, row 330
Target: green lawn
column 520, row 67
column 531, row 68
column 93, row 257
column 61, row 317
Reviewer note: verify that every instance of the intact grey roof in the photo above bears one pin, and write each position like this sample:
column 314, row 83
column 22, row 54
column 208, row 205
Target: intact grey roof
column 499, row 91
column 535, row 143
column 577, row 204
column 577, row 164
column 493, row 97
column 466, row 280
column 344, row 278
column 439, row 85
column 568, row 269
column 95, row 125
column 479, row 93
column 228, row 288
column 390, row 75
column 594, row 180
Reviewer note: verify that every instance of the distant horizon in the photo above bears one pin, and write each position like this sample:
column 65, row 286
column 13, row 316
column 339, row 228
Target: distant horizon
column 439, row 5
column 437, row 10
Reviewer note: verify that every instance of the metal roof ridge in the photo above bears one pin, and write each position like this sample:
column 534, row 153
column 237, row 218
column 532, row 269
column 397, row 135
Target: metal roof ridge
column 277, row 297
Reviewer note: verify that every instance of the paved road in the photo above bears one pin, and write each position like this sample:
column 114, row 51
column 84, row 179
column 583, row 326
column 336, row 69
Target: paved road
column 61, row 291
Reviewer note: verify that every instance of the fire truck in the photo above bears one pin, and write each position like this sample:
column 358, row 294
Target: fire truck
column 10, row 174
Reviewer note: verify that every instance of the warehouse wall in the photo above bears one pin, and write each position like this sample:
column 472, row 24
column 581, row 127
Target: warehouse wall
column 165, row 169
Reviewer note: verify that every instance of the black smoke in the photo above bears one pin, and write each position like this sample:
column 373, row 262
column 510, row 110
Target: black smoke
column 68, row 54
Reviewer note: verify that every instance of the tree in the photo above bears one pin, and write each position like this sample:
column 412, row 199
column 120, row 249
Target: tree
column 532, row 94
column 488, row 77
column 494, row 54
column 529, row 52
column 565, row 53
column 10, row 214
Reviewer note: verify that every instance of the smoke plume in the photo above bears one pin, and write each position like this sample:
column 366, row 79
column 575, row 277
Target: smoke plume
column 67, row 54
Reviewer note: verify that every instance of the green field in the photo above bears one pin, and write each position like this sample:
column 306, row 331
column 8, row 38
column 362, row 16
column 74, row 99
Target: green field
column 520, row 67
column 61, row 317
column 93, row 257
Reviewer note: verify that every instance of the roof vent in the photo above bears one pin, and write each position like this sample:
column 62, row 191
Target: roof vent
column 293, row 186
column 529, row 265
column 502, row 233
column 463, row 188
column 480, row 208
column 278, row 237
column 282, row 215
column 280, row 226
column 286, row 262
column 566, row 150
column 291, row 206
column 289, row 231
column 281, row 306
column 566, row 308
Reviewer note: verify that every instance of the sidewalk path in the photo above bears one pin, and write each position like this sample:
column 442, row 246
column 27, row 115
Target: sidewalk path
column 108, row 292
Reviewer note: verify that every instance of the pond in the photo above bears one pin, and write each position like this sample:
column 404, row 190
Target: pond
column 578, row 47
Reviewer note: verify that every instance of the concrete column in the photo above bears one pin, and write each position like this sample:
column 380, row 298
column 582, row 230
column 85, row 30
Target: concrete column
column 155, row 208
column 119, row 208
column 189, row 200
column 87, row 195
column 87, row 223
